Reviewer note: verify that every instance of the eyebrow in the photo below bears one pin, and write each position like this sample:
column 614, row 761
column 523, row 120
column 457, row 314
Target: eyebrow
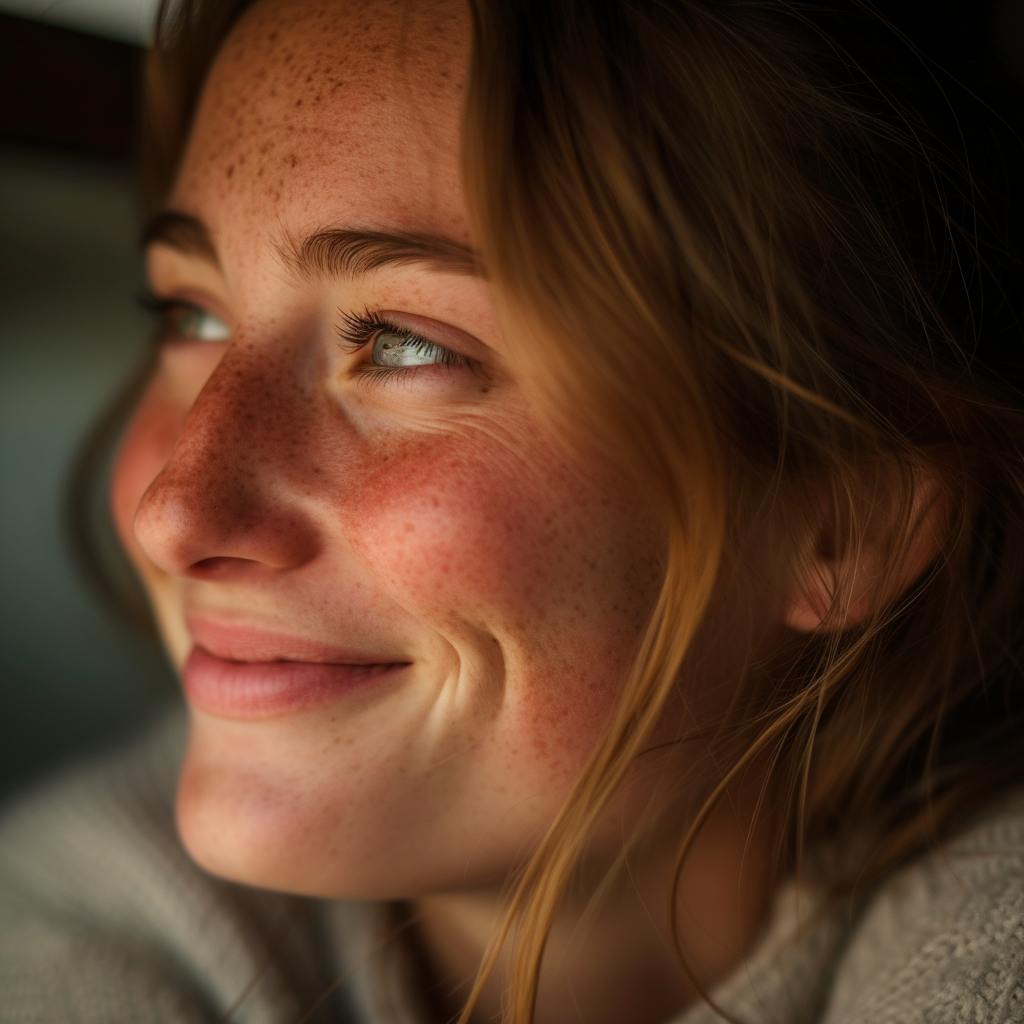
column 182, row 232
column 346, row 253
column 332, row 253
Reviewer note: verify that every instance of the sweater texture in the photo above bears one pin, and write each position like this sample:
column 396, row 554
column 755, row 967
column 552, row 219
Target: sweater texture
column 104, row 919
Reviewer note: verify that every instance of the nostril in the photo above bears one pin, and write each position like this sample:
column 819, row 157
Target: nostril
column 211, row 568
column 198, row 520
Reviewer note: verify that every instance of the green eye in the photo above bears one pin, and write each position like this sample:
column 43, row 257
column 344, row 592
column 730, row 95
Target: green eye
column 391, row 348
column 194, row 324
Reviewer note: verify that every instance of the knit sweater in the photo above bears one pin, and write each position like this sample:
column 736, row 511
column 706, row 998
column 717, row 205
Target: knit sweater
column 104, row 919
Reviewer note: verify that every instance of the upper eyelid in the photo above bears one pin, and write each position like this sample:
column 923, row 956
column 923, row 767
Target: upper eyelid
column 197, row 298
column 160, row 303
column 440, row 333
column 446, row 336
column 366, row 325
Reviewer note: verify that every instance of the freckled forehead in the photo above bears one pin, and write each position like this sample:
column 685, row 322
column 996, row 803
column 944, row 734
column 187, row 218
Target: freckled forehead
column 320, row 111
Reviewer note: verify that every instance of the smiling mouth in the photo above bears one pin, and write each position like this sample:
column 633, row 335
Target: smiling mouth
column 238, row 672
column 265, row 689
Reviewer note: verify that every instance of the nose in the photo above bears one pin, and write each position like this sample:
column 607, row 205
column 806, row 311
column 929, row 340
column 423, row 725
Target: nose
column 229, row 497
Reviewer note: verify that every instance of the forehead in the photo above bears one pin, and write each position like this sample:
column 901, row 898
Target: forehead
column 324, row 114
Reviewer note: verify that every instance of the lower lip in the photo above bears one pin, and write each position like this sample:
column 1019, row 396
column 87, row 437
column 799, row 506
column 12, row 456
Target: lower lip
column 264, row 689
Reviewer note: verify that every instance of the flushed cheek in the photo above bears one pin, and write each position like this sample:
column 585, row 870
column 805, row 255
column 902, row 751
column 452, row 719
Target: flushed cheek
column 518, row 549
column 144, row 452
column 459, row 536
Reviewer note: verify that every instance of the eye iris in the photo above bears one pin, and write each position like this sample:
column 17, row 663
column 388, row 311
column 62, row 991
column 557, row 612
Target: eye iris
column 198, row 325
column 390, row 349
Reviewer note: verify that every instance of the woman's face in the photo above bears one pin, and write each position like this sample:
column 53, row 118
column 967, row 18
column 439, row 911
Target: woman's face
column 402, row 607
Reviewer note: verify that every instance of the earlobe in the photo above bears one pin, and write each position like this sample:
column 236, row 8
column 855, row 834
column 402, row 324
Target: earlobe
column 838, row 583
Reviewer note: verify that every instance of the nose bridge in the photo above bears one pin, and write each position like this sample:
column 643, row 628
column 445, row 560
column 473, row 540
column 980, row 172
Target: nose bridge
column 240, row 417
column 223, row 492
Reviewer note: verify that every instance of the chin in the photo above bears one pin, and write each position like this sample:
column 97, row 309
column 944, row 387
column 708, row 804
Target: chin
column 242, row 818
column 248, row 815
column 234, row 834
column 241, row 838
column 237, row 832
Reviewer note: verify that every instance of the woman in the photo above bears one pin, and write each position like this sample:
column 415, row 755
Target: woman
column 592, row 556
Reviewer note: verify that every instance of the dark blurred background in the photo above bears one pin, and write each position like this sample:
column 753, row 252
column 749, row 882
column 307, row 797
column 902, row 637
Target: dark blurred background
column 71, row 677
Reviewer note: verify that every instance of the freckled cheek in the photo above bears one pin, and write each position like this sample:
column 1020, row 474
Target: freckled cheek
column 512, row 553
column 556, row 723
column 448, row 537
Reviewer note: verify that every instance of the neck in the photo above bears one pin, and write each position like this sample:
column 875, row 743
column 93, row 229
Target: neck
column 616, row 961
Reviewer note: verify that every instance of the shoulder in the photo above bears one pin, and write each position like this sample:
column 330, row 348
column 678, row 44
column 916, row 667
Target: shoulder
column 943, row 940
column 104, row 917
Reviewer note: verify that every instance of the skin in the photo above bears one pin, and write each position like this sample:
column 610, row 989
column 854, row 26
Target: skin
column 428, row 518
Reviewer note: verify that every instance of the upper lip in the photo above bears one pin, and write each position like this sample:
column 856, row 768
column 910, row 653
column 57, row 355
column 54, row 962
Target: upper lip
column 238, row 640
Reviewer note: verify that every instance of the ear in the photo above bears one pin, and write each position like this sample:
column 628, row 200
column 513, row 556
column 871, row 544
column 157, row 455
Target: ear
column 840, row 579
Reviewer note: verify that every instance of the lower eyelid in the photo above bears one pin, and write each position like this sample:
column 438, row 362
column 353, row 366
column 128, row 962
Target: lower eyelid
column 371, row 375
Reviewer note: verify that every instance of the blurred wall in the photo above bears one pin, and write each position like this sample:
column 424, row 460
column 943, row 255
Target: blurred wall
column 69, row 333
column 71, row 678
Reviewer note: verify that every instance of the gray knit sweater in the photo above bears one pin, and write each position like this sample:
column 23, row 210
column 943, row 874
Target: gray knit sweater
column 104, row 919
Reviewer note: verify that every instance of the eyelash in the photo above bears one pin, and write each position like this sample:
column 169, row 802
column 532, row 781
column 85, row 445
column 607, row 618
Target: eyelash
column 161, row 308
column 360, row 329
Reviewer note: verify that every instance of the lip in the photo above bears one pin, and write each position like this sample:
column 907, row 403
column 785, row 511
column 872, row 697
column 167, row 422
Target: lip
column 243, row 672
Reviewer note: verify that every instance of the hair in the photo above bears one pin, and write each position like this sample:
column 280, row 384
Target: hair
column 751, row 288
